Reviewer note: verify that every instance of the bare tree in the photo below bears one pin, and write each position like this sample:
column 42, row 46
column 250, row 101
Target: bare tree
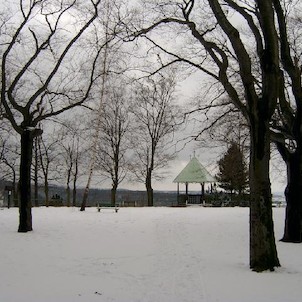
column 48, row 155
column 71, row 143
column 112, row 142
column 218, row 49
column 155, row 119
column 9, row 155
column 114, row 62
column 46, row 80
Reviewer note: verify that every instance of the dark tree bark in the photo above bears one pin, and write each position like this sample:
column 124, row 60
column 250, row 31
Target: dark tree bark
column 149, row 188
column 85, row 197
column 115, row 174
column 27, row 141
column 291, row 117
column 293, row 194
column 263, row 253
column 113, row 194
column 36, row 171
column 75, row 178
column 68, row 194
column 68, row 191
column 46, row 191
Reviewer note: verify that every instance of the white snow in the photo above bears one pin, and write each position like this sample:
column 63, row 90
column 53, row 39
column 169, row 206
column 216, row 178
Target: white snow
column 141, row 254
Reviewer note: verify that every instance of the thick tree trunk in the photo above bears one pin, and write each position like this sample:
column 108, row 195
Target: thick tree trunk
column 149, row 188
column 293, row 195
column 292, row 119
column 25, row 222
column 74, row 194
column 150, row 196
column 113, row 194
column 263, row 252
column 68, row 194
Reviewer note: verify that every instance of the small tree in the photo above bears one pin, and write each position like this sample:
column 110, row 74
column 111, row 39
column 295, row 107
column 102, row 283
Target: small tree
column 9, row 154
column 233, row 173
column 47, row 158
column 70, row 141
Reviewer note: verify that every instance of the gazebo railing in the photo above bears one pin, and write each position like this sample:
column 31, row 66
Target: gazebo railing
column 194, row 199
column 184, row 199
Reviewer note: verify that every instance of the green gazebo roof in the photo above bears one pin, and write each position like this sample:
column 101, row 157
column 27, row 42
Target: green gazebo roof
column 194, row 172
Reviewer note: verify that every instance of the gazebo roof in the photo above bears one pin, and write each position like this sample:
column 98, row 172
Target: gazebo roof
column 194, row 172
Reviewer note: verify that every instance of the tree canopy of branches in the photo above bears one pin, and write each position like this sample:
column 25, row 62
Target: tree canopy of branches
column 9, row 158
column 217, row 46
column 233, row 174
column 43, row 60
column 114, row 62
column 155, row 121
column 112, row 140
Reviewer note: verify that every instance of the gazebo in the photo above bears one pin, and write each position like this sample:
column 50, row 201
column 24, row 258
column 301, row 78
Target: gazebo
column 193, row 172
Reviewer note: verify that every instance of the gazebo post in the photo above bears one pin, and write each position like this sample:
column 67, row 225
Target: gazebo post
column 202, row 193
column 177, row 192
column 187, row 185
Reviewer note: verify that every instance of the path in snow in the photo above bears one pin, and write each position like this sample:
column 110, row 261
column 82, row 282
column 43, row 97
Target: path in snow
column 178, row 276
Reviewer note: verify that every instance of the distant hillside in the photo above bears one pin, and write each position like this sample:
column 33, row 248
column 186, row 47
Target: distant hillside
column 123, row 196
column 128, row 197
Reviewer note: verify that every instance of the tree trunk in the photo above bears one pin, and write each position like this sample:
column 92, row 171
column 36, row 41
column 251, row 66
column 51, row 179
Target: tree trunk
column 25, row 222
column 149, row 188
column 75, row 179
column 74, row 194
column 263, row 252
column 46, row 191
column 15, row 196
column 15, row 191
column 84, row 200
column 36, row 170
column 86, row 191
column 293, row 196
column 113, row 194
column 68, row 195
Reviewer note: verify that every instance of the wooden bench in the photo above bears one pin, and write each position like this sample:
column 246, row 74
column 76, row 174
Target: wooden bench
column 107, row 205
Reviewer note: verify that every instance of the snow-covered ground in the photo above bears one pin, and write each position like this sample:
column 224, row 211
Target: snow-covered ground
column 139, row 255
